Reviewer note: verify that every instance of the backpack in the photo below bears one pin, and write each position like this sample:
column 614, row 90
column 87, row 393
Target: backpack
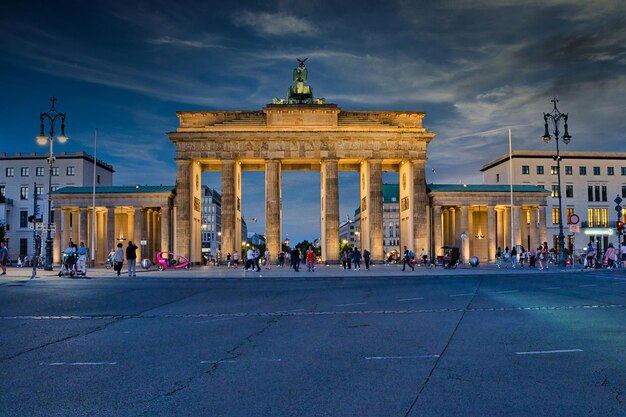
column 411, row 254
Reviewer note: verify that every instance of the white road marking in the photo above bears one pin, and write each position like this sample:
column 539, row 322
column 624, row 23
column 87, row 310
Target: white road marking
column 381, row 358
column 506, row 292
column 235, row 361
column 551, row 288
column 220, row 319
column 410, row 299
column 462, row 295
column 541, row 352
column 348, row 305
column 588, row 285
column 78, row 363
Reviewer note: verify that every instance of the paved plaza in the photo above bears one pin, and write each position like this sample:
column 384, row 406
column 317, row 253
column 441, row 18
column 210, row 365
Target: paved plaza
column 224, row 342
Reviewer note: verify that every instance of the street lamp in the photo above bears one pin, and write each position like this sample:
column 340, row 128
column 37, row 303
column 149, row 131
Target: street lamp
column 463, row 237
column 556, row 117
column 42, row 139
column 287, row 242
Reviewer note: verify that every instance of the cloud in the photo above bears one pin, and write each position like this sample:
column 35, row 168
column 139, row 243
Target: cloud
column 275, row 24
column 168, row 40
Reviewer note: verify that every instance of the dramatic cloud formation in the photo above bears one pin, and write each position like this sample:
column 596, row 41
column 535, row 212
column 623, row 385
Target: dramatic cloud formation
column 476, row 67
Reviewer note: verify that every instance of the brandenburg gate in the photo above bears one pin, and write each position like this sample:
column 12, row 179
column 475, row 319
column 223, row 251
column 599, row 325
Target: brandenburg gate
column 301, row 136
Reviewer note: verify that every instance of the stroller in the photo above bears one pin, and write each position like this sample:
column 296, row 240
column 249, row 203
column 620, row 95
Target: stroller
column 68, row 265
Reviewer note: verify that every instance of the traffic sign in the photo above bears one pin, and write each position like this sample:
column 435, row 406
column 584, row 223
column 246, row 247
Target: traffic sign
column 618, row 208
column 574, row 219
column 618, row 200
column 574, row 228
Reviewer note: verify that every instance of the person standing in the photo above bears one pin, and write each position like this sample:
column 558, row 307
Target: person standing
column 356, row 258
column 295, row 259
column 82, row 258
column 235, row 259
column 506, row 256
column 4, row 257
column 249, row 260
column 366, row 259
column 424, row 257
column 532, row 258
column 591, row 255
column 406, row 260
column 513, row 257
column 344, row 259
column 131, row 257
column 118, row 258
column 310, row 260
column 499, row 257
column 266, row 255
column 546, row 254
column 522, row 256
column 623, row 251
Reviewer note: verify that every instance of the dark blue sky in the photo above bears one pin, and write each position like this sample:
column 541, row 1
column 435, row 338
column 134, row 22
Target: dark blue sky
column 476, row 67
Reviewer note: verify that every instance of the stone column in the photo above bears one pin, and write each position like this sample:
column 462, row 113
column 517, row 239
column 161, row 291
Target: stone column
column 138, row 218
column 329, row 204
column 183, row 208
column 523, row 225
column 65, row 219
column 500, row 227
column 507, row 228
column 464, row 227
column 165, row 228
column 56, row 239
column 446, row 227
column 273, row 206
column 452, row 237
column 534, row 237
column 543, row 230
column 437, row 231
column 517, row 229
column 419, row 203
column 376, row 242
column 110, row 239
column 229, row 210
column 491, row 233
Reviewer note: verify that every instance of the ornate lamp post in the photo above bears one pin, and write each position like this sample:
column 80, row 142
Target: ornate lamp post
column 42, row 139
column 556, row 117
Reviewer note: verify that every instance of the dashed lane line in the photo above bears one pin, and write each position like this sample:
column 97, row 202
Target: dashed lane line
column 410, row 299
column 544, row 352
column 382, row 358
column 78, row 363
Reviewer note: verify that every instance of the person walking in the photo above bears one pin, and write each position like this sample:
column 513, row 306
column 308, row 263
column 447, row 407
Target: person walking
column 513, row 257
column 499, row 257
column 532, row 258
column 131, row 257
column 344, row 259
column 366, row 259
column 356, row 258
column 610, row 257
column 4, row 257
column 546, row 254
column 522, row 256
column 235, row 259
column 82, row 258
column 249, row 260
column 257, row 259
column 591, row 256
column 406, row 260
column 425, row 257
column 623, row 251
column 118, row 258
column 506, row 256
column 541, row 257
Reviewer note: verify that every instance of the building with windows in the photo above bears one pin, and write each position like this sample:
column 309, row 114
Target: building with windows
column 24, row 175
column 211, row 223
column 590, row 182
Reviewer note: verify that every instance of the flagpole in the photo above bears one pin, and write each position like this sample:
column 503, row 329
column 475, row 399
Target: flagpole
column 511, row 188
column 93, row 199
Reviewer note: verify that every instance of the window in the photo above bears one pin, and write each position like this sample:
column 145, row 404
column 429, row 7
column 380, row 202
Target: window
column 10, row 172
column 610, row 171
column 70, row 171
column 589, row 193
column 623, row 191
column 598, row 216
column 54, row 188
column 604, row 193
column 24, row 172
column 596, row 193
column 39, row 191
column 555, row 215
column 582, row 170
column 623, row 170
column 569, row 191
column 55, row 171
column 39, row 171
column 555, row 190
column 596, row 170
column 23, row 247
column 3, row 190
column 554, row 170
column 23, row 218
column 98, row 179
column 568, row 170
column 525, row 169
column 568, row 213
column 23, row 193
column 539, row 169
column 497, row 177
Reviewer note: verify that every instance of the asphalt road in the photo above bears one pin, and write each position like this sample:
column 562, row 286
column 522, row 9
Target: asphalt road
column 451, row 344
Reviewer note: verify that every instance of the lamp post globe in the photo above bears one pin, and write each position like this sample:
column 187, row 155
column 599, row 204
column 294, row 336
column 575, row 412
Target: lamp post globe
column 556, row 116
column 44, row 139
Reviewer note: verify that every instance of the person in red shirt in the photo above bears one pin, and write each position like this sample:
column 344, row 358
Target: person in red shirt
column 310, row 260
